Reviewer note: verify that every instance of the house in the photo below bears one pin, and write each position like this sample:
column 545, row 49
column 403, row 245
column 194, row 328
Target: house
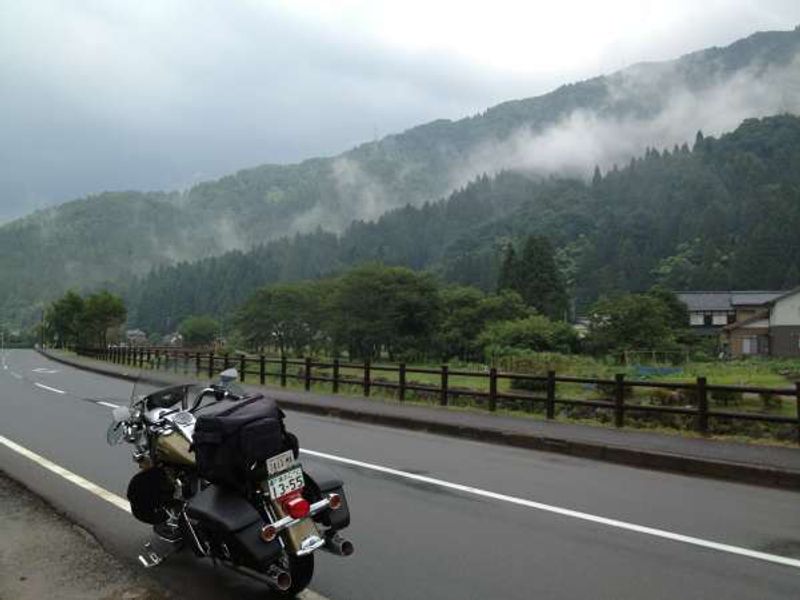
column 135, row 337
column 710, row 312
column 772, row 330
column 174, row 339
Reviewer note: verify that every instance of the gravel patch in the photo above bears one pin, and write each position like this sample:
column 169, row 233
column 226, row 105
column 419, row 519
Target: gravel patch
column 44, row 555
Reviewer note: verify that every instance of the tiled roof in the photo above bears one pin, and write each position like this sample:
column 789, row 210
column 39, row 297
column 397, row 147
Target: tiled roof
column 753, row 298
column 706, row 300
column 697, row 301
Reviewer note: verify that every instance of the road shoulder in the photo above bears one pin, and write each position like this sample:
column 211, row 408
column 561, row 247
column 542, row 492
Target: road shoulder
column 44, row 555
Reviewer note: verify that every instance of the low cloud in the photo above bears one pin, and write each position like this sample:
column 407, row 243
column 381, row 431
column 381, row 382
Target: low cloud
column 673, row 115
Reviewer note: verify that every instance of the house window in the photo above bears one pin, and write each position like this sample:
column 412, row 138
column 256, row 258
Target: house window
column 731, row 318
column 707, row 320
column 696, row 319
column 750, row 345
column 720, row 319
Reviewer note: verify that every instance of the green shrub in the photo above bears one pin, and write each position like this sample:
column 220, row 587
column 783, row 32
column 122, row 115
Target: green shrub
column 771, row 402
column 727, row 397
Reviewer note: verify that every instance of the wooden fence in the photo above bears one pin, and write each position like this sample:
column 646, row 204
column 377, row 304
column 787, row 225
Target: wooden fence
column 277, row 371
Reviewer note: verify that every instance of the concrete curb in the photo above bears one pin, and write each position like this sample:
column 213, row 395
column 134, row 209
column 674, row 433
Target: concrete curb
column 662, row 461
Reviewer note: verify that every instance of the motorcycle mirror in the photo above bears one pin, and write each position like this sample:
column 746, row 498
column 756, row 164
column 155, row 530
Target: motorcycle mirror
column 228, row 375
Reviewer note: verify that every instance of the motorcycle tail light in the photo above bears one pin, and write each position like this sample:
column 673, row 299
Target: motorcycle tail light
column 297, row 507
column 268, row 533
column 334, row 501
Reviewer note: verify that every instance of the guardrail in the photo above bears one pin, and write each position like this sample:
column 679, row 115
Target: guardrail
column 266, row 369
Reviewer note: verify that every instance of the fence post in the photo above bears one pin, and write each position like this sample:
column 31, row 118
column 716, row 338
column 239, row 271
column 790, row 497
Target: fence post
column 619, row 400
column 445, row 377
column 367, row 381
column 141, row 358
column 185, row 363
column 493, row 389
column 149, row 364
column 702, row 405
column 242, row 368
column 158, row 360
column 551, row 394
column 797, row 402
column 401, row 381
column 227, row 362
column 335, row 375
column 308, row 373
column 210, row 365
column 197, row 363
column 283, row 371
column 262, row 370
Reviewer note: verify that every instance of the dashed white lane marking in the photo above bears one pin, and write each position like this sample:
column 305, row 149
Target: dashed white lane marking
column 566, row 512
column 45, row 370
column 93, row 488
column 49, row 389
column 16, row 375
column 108, row 404
column 98, row 491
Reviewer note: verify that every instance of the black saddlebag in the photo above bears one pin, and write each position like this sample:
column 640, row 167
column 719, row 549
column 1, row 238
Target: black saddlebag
column 230, row 437
column 226, row 517
column 148, row 492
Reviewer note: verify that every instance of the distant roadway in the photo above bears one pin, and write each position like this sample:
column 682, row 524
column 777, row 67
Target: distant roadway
column 433, row 517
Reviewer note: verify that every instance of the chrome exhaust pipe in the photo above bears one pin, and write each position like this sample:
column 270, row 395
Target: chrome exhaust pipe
column 336, row 544
column 278, row 578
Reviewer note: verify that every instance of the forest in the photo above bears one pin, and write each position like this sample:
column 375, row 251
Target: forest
column 106, row 240
column 721, row 214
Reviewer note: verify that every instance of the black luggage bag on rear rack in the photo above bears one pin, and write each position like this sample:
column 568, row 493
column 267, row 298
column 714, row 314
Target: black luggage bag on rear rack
column 230, row 437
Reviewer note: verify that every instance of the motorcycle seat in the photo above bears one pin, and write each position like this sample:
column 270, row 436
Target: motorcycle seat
column 222, row 509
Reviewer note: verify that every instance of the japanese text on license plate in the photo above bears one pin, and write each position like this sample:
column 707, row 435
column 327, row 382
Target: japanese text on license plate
column 280, row 462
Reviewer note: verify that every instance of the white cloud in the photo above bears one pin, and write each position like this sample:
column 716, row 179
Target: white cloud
column 120, row 94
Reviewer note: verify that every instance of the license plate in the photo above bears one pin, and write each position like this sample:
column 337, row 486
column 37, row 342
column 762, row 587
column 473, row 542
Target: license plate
column 280, row 462
column 286, row 483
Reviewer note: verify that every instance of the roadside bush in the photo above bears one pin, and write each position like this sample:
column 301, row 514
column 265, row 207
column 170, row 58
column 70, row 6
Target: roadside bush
column 771, row 402
column 664, row 397
column 609, row 390
column 727, row 397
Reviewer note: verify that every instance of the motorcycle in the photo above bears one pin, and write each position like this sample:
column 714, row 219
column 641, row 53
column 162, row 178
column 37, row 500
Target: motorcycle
column 219, row 474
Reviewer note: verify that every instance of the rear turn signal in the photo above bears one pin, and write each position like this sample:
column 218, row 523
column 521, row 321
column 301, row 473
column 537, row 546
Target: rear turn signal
column 334, row 501
column 297, row 507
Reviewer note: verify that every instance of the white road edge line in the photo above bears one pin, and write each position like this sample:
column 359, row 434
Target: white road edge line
column 108, row 404
column 566, row 512
column 98, row 491
column 48, row 388
column 93, row 488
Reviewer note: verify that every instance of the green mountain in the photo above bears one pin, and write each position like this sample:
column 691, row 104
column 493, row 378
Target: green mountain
column 724, row 214
column 109, row 238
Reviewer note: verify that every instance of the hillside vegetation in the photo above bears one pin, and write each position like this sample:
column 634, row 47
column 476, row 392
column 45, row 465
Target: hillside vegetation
column 107, row 239
column 723, row 214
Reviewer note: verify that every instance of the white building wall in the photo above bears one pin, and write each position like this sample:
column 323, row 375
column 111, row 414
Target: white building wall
column 786, row 311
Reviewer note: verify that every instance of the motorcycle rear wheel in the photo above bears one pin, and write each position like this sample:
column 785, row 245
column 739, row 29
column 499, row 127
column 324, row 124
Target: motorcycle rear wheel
column 301, row 568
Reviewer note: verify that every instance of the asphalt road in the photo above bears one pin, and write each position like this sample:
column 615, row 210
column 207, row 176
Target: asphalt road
column 437, row 517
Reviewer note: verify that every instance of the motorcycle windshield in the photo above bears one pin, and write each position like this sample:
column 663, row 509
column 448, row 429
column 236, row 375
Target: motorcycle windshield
column 161, row 392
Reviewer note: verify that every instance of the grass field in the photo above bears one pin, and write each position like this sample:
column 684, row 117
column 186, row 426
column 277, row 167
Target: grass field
column 752, row 373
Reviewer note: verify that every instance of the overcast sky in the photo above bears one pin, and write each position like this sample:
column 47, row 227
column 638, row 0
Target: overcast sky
column 110, row 94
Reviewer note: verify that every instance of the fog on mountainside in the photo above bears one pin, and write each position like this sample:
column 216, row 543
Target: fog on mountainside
column 602, row 121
